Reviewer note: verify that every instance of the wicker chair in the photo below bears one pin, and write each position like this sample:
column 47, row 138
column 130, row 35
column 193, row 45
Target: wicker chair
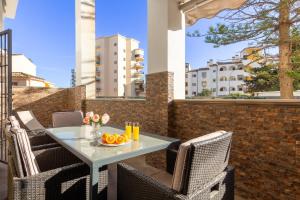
column 65, row 119
column 61, row 175
column 36, row 132
column 201, row 173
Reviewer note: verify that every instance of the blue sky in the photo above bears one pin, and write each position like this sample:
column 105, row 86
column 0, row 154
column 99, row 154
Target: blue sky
column 44, row 30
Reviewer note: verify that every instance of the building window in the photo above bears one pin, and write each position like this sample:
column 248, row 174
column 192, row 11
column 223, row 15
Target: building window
column 240, row 77
column 115, row 53
column 186, row 84
column 194, row 84
column 223, row 68
column 223, row 78
column 214, row 90
column 232, row 68
column 204, row 74
column 124, row 50
column 186, row 92
column 194, row 93
column 204, row 84
column 115, row 62
column 15, row 83
column 115, row 44
column 240, row 88
column 124, row 59
column 240, row 67
column 232, row 78
column 124, row 68
column 214, row 70
column 194, row 75
column 223, row 89
column 232, row 89
column 115, row 80
column 115, row 71
column 186, row 75
column 124, row 76
column 98, row 60
column 214, row 80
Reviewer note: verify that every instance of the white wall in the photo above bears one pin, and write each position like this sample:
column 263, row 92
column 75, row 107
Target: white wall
column 21, row 63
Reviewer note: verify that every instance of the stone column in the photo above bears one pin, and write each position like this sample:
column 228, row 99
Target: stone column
column 85, row 45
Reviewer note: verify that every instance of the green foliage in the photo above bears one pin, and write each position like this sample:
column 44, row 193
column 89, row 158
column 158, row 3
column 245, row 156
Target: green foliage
column 205, row 93
column 240, row 96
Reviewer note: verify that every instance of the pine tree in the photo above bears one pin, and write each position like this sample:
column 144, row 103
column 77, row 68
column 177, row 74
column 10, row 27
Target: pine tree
column 268, row 24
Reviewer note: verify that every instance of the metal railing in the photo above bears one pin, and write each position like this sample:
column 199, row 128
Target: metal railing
column 5, row 87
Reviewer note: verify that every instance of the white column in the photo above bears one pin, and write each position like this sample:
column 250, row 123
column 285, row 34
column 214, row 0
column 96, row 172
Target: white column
column 85, row 45
column 166, row 42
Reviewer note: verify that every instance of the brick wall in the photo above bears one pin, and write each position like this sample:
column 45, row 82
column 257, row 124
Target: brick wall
column 45, row 101
column 264, row 150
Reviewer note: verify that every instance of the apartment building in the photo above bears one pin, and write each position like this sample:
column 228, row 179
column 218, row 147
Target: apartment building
column 119, row 67
column 221, row 78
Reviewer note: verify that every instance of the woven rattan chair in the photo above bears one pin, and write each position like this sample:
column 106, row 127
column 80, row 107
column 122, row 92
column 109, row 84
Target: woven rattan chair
column 60, row 175
column 67, row 119
column 201, row 173
column 36, row 132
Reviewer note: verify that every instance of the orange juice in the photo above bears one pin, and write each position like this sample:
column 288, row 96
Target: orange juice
column 128, row 130
column 136, row 132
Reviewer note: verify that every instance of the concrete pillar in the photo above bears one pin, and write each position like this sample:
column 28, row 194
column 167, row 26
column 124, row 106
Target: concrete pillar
column 85, row 45
column 166, row 42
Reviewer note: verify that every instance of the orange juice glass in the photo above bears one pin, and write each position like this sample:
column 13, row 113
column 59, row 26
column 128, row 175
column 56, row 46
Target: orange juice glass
column 136, row 132
column 128, row 130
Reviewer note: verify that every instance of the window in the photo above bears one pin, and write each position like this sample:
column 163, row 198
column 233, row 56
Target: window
column 115, row 62
column 204, row 74
column 223, row 78
column 214, row 90
column 223, row 89
column 240, row 77
column 186, row 84
column 204, row 84
column 194, row 84
column 115, row 53
column 186, row 75
column 194, row 75
column 115, row 71
column 223, row 68
column 214, row 80
column 232, row 78
column 124, row 59
column 98, row 60
column 124, row 68
column 124, row 50
column 240, row 88
column 15, row 83
column 124, row 76
column 240, row 67
column 194, row 93
column 232, row 68
column 115, row 44
column 186, row 92
column 232, row 89
column 214, row 70
column 115, row 80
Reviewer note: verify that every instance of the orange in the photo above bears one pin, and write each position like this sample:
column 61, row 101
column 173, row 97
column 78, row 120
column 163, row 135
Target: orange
column 110, row 139
column 125, row 137
column 120, row 139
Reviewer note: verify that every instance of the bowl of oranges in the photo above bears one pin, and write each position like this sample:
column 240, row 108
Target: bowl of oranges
column 114, row 140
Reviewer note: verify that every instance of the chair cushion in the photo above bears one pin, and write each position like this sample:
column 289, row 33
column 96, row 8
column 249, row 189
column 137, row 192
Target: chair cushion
column 178, row 176
column 64, row 119
column 29, row 120
column 26, row 154
column 14, row 122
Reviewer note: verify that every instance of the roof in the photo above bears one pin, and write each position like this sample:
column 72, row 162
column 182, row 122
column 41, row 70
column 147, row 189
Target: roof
column 26, row 76
column 198, row 9
column 10, row 8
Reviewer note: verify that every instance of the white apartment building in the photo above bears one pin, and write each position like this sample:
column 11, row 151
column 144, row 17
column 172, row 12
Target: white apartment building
column 118, row 67
column 221, row 78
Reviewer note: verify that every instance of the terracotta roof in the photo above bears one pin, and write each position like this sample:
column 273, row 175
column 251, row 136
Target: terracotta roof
column 26, row 76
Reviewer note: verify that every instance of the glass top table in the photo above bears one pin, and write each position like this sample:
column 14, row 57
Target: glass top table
column 78, row 140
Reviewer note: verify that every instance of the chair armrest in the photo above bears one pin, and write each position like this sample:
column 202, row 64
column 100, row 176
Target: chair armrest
column 171, row 155
column 132, row 185
column 53, row 158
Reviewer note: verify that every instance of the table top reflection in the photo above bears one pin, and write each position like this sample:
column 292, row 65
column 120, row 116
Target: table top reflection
column 79, row 141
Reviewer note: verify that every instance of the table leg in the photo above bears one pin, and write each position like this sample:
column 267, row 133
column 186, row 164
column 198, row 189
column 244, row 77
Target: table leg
column 94, row 175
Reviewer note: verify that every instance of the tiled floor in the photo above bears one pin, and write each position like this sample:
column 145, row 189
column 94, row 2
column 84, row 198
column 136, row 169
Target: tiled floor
column 3, row 181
